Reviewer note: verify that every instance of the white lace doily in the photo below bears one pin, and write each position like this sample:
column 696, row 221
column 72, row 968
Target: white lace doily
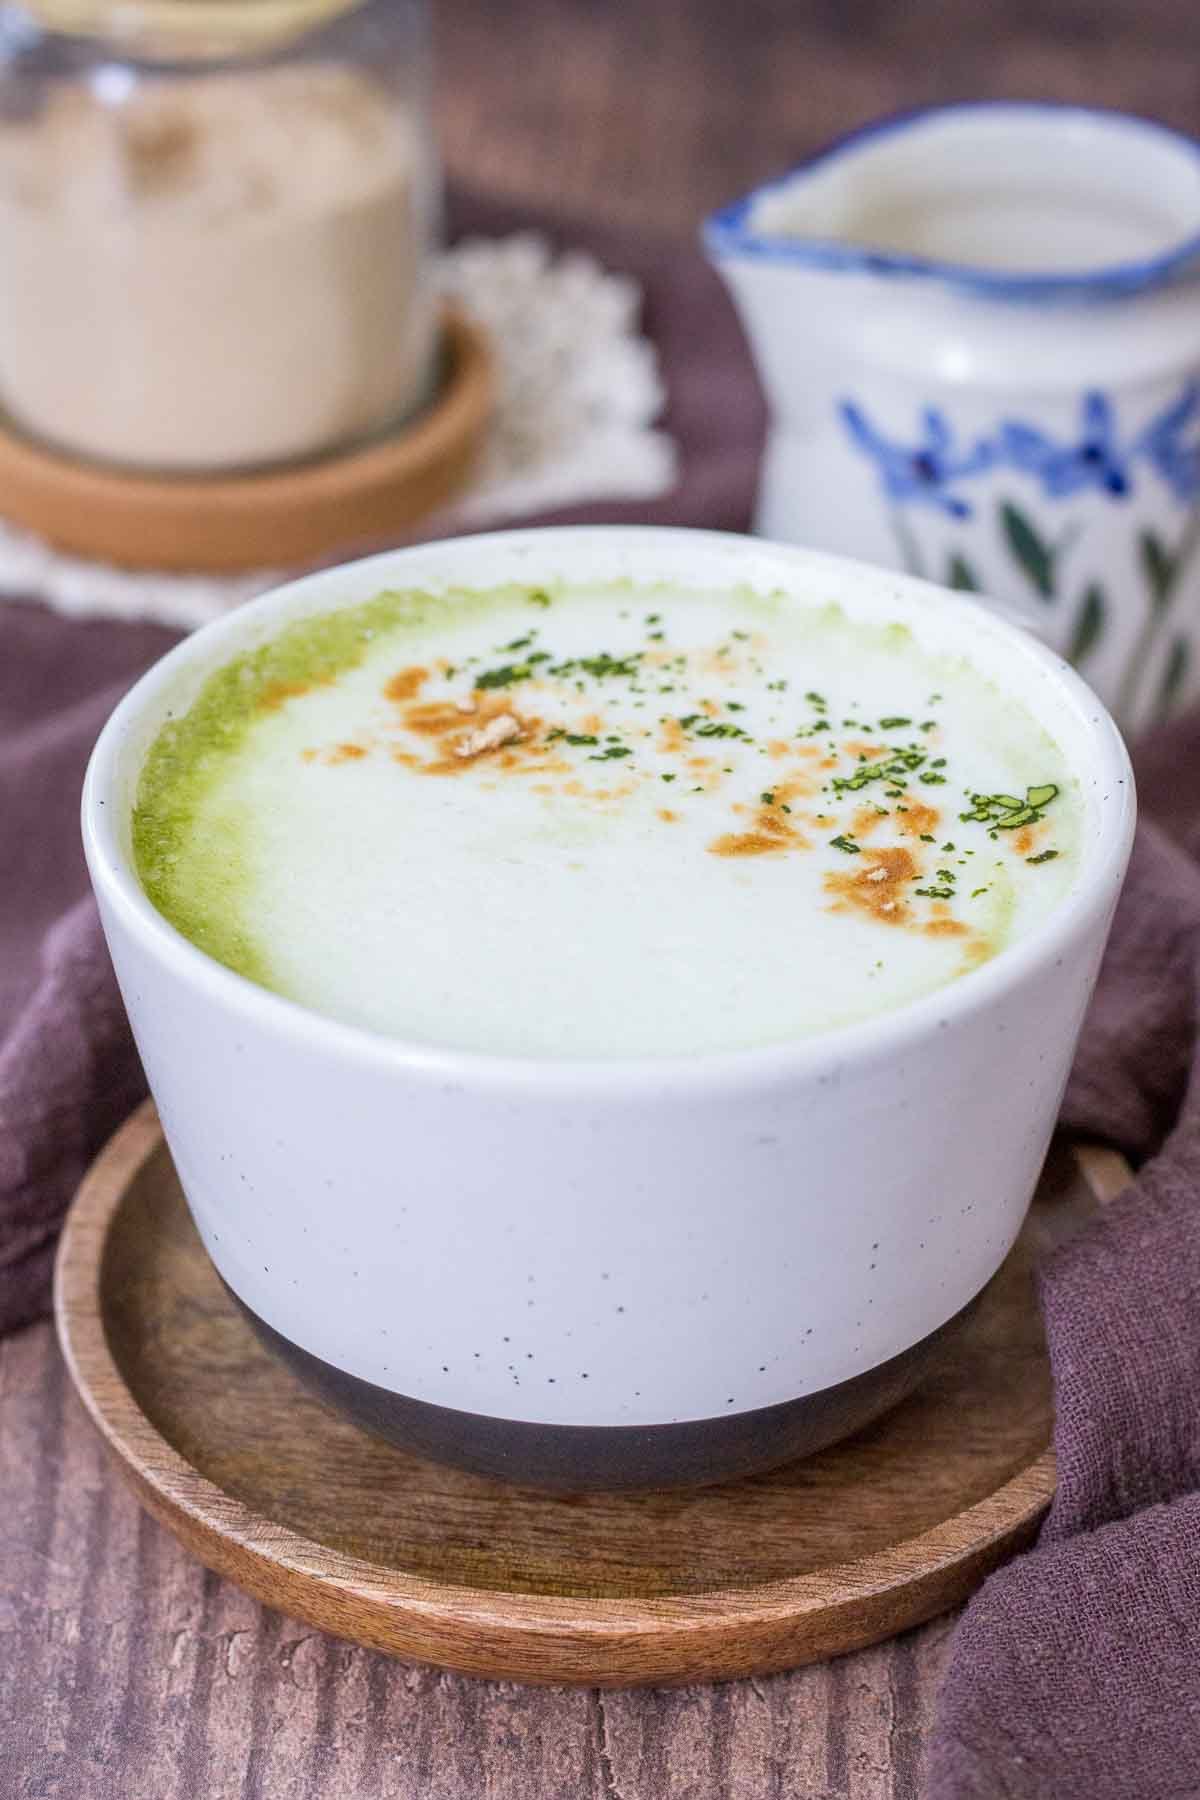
column 578, row 391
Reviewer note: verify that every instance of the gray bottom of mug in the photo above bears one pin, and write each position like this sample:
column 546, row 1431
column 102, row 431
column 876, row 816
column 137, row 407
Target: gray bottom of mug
column 582, row 1458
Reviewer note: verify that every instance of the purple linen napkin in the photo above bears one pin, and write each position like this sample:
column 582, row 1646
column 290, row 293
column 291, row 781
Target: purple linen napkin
column 1075, row 1672
column 68, row 1072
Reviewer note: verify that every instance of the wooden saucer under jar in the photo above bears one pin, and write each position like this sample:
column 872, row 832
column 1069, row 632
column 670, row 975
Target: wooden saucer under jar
column 277, row 518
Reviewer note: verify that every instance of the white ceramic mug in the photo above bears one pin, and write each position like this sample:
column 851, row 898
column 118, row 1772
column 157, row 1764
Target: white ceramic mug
column 978, row 328
column 613, row 1273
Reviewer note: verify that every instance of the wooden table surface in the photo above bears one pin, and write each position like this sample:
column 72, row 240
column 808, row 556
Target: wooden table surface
column 126, row 1671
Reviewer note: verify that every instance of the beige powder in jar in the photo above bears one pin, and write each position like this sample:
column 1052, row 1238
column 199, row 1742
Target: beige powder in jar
column 215, row 272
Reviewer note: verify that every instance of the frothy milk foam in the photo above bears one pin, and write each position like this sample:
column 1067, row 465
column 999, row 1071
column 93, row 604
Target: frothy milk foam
column 603, row 821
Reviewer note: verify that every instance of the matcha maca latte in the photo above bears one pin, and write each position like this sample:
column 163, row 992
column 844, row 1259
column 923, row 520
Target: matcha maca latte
column 603, row 820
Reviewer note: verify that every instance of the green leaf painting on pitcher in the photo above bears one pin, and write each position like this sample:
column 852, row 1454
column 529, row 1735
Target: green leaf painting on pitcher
column 1037, row 559
column 960, row 575
column 1178, row 662
column 950, row 468
column 1088, row 628
column 1163, row 568
column 1158, row 566
column 1034, row 555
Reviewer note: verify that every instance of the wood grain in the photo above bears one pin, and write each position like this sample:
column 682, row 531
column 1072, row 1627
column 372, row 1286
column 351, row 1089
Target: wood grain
column 279, row 518
column 128, row 1672
column 314, row 1516
column 657, row 111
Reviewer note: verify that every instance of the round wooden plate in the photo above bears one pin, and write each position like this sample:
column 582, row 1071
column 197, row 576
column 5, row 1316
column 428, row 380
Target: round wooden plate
column 279, row 518
column 313, row 1516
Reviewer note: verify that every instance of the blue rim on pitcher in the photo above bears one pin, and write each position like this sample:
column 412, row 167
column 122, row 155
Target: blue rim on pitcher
column 728, row 232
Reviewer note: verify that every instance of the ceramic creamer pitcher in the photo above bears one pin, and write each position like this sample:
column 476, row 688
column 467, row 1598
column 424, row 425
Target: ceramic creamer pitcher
column 978, row 328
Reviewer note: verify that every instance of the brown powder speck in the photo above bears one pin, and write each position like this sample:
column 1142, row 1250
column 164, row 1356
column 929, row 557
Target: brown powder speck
column 856, row 747
column 877, row 887
column 433, row 718
column 667, row 816
column 797, row 786
column 715, row 662
column 944, row 928
column 337, row 753
column 406, row 684
column 672, row 738
column 865, row 821
column 745, row 843
column 276, row 693
column 494, row 724
column 162, row 151
column 773, row 831
column 776, row 747
column 709, row 707
column 918, row 819
column 500, row 730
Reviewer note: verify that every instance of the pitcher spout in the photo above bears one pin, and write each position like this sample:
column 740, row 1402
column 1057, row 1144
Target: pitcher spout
column 880, row 239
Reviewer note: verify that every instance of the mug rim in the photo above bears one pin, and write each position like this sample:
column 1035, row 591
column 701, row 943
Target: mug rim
column 727, row 232
column 861, row 1043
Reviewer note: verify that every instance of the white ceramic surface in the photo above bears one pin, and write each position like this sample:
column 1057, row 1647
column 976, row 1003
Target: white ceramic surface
column 978, row 328
column 612, row 1242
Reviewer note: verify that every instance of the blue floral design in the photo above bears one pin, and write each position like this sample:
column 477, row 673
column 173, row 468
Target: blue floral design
column 1095, row 461
column 1177, row 463
column 921, row 472
column 927, row 472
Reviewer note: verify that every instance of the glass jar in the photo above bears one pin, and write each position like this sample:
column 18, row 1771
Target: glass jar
column 217, row 221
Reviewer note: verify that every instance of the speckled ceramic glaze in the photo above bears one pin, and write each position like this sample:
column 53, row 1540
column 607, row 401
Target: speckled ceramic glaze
column 616, row 1273
column 979, row 332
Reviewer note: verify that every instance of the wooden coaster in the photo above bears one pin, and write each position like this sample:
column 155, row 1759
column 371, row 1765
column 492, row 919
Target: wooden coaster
column 281, row 518
column 313, row 1516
